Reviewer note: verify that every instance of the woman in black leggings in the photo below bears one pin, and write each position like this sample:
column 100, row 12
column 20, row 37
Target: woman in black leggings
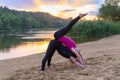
column 62, row 50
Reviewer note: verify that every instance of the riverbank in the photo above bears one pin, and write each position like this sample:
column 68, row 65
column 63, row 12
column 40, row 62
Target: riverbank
column 102, row 58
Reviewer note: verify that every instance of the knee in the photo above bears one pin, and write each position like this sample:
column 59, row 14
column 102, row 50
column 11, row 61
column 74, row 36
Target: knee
column 55, row 35
column 53, row 41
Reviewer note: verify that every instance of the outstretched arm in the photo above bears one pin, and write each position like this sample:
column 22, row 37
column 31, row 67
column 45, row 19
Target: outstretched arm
column 79, row 56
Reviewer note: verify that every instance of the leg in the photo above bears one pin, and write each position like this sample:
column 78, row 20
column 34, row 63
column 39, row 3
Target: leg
column 64, row 30
column 49, row 53
column 62, row 50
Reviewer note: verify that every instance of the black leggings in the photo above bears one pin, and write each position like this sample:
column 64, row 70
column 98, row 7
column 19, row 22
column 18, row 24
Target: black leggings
column 54, row 45
column 64, row 30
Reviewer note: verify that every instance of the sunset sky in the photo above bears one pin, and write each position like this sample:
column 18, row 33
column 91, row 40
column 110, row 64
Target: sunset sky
column 60, row 8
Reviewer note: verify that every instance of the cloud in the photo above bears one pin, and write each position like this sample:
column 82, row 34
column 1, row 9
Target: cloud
column 77, row 3
column 90, row 9
column 83, row 9
column 64, row 8
column 81, row 5
column 74, row 3
column 69, row 10
column 28, row 5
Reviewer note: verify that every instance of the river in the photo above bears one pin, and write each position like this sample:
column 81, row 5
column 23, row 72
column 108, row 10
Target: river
column 24, row 44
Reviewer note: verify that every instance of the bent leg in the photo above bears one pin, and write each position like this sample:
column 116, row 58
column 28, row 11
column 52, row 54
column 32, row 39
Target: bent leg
column 63, row 51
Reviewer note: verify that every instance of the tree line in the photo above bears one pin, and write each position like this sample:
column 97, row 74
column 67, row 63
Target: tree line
column 22, row 20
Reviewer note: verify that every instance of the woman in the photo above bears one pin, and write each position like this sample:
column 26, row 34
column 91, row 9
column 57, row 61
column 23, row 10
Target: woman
column 62, row 50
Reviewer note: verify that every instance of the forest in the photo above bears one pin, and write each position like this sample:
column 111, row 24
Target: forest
column 13, row 20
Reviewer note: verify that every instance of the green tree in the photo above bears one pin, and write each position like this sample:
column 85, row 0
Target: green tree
column 112, row 2
column 110, row 10
column 12, row 20
column 1, row 24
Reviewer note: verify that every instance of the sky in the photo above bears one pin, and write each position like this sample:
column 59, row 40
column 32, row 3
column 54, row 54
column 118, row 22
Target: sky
column 59, row 8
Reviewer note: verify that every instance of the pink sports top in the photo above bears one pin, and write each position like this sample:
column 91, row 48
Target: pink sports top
column 68, row 42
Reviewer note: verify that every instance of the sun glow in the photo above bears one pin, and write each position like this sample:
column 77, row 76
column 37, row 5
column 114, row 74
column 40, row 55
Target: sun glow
column 54, row 10
column 66, row 11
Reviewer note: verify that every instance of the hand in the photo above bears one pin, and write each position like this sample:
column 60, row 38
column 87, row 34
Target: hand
column 82, row 15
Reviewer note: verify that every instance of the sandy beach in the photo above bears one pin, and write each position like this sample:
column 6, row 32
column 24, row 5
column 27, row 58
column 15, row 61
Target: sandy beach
column 102, row 58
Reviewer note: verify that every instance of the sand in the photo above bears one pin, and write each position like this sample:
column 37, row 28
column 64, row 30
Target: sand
column 102, row 58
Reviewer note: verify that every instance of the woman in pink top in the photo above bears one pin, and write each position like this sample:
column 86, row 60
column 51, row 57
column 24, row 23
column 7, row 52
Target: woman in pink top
column 68, row 42
column 63, row 50
column 71, row 45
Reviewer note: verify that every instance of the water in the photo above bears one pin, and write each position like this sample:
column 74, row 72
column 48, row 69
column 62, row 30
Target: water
column 24, row 44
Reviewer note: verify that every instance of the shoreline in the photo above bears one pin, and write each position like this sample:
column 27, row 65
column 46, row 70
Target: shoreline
column 102, row 58
column 5, row 59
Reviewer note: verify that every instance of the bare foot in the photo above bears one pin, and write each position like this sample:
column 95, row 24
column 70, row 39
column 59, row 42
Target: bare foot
column 42, row 72
column 48, row 67
column 82, row 15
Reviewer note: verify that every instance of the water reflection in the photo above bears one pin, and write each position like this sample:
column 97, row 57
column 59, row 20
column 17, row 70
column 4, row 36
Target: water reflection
column 7, row 42
column 12, row 46
column 27, row 48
